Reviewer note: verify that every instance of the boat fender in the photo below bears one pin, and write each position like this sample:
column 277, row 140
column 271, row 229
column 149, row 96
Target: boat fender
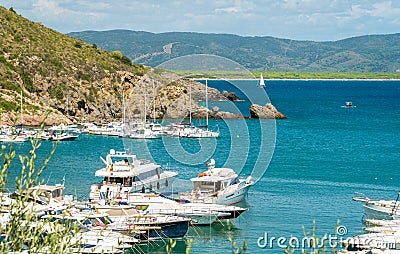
column 202, row 174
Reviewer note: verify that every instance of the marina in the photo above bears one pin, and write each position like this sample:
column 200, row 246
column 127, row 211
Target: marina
column 318, row 152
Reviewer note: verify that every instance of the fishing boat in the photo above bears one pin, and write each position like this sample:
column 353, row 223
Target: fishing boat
column 261, row 83
column 124, row 173
column 218, row 186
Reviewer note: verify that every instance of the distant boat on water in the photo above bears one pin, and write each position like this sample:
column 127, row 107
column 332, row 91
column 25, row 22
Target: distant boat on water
column 261, row 83
column 348, row 104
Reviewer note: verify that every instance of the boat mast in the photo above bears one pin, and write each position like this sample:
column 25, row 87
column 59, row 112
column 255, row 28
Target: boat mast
column 206, row 105
column 154, row 104
column 190, row 103
column 145, row 107
column 21, row 106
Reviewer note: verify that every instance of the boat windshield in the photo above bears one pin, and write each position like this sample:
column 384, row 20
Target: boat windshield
column 235, row 181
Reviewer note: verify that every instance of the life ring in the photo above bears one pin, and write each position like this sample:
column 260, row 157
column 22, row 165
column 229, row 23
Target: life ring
column 51, row 212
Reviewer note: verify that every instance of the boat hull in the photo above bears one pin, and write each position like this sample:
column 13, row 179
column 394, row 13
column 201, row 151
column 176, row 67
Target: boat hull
column 176, row 229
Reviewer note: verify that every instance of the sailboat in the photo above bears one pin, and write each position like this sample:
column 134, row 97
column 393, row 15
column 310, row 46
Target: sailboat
column 203, row 133
column 143, row 132
column 261, row 83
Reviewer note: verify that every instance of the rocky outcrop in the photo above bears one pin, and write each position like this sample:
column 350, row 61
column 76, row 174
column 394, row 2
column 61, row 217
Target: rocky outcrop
column 231, row 96
column 265, row 112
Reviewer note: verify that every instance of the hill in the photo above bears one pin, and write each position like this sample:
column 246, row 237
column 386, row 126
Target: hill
column 371, row 53
column 61, row 79
column 63, row 76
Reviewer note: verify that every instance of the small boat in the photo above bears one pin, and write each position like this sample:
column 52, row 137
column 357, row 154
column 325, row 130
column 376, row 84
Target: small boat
column 63, row 137
column 13, row 139
column 348, row 104
column 261, row 83
column 124, row 173
column 218, row 186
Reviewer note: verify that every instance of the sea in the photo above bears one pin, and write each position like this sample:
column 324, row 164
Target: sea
column 307, row 168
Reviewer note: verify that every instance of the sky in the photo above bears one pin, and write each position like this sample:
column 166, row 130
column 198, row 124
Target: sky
column 315, row 20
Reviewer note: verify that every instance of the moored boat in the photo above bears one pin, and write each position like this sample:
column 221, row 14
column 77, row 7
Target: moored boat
column 218, row 186
column 124, row 173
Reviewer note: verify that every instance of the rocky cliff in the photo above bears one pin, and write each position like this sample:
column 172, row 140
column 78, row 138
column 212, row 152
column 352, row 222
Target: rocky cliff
column 48, row 77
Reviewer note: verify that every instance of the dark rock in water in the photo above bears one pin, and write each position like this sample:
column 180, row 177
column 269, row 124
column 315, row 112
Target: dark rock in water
column 265, row 112
column 231, row 96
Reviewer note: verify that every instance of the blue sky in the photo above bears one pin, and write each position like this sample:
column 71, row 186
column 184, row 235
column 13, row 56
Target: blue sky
column 317, row 20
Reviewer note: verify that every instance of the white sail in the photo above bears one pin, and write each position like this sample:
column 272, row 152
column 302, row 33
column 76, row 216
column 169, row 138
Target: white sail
column 262, row 84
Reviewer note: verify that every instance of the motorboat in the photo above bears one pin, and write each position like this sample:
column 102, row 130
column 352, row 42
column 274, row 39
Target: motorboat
column 154, row 203
column 348, row 104
column 145, row 133
column 58, row 136
column 124, row 173
column 13, row 139
column 218, row 186
column 373, row 241
column 380, row 209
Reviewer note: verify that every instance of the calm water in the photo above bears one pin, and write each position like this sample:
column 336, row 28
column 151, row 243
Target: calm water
column 324, row 153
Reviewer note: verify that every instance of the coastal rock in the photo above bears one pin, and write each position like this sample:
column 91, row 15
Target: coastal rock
column 231, row 96
column 265, row 112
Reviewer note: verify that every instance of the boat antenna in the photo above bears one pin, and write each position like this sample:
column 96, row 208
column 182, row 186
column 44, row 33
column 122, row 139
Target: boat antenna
column 63, row 180
column 48, row 179
column 395, row 204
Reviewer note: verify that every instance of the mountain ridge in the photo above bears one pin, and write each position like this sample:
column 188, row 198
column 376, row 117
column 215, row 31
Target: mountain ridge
column 368, row 53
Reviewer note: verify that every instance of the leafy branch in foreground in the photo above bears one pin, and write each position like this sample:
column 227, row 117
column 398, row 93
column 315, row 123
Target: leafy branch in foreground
column 23, row 230
column 313, row 244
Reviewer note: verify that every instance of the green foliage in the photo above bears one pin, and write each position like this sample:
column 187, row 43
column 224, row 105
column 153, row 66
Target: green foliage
column 28, row 83
column 126, row 60
column 78, row 45
column 8, row 105
column 10, row 86
column 24, row 231
column 92, row 94
column 57, row 91
column 315, row 244
column 117, row 54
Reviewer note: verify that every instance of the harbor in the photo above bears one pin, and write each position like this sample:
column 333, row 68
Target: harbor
column 310, row 177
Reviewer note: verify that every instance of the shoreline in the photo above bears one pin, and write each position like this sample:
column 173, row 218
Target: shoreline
column 300, row 79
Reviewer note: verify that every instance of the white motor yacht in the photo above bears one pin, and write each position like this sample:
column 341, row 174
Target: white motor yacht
column 124, row 173
column 218, row 186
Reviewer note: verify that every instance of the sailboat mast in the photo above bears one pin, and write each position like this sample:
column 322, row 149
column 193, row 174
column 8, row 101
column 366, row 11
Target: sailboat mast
column 206, row 104
column 21, row 105
column 190, row 103
column 145, row 106
column 154, row 103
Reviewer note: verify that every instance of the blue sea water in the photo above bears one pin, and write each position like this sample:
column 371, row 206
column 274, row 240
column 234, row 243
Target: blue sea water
column 314, row 161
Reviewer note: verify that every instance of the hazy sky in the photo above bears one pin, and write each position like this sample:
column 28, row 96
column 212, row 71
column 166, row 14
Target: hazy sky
column 318, row 20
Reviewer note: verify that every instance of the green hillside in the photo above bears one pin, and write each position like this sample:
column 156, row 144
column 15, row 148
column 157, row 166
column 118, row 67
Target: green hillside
column 372, row 53
column 57, row 73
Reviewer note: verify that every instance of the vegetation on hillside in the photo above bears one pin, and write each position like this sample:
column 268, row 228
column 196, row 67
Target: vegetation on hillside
column 55, row 69
column 372, row 53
